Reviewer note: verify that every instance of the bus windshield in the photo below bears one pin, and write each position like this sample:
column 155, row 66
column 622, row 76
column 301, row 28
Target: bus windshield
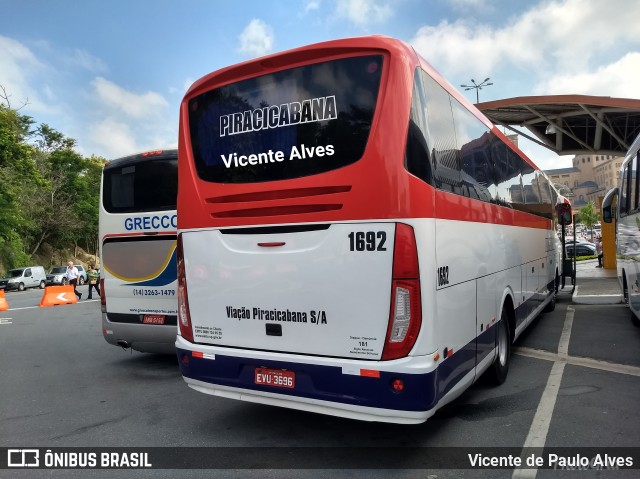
column 259, row 129
column 145, row 185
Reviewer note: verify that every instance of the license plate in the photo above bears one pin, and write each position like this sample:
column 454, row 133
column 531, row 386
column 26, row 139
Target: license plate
column 275, row 377
column 153, row 319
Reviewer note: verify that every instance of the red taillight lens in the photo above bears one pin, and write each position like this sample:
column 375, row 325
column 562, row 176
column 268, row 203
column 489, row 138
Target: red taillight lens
column 405, row 316
column 103, row 297
column 184, row 320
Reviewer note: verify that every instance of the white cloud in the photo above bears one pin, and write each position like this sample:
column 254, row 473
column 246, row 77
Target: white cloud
column 364, row 12
column 256, row 39
column 116, row 98
column 18, row 68
column 559, row 35
column 617, row 79
column 85, row 60
column 112, row 137
column 311, row 5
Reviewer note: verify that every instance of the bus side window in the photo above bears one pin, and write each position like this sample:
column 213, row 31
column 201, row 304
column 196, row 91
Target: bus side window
column 633, row 185
column 444, row 157
column 416, row 154
column 473, row 145
column 506, row 173
column 624, row 191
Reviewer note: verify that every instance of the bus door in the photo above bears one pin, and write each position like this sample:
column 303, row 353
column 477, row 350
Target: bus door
column 565, row 219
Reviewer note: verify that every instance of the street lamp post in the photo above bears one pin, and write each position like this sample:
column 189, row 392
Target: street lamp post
column 477, row 87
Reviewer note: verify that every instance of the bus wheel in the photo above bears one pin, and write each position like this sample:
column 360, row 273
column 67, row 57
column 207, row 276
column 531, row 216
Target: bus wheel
column 551, row 305
column 500, row 367
column 625, row 292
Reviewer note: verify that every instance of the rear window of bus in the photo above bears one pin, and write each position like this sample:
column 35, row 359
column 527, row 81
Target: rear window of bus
column 145, row 185
column 288, row 124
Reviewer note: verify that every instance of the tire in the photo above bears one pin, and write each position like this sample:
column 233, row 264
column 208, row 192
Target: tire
column 42, row 284
column 552, row 304
column 498, row 371
column 80, row 280
column 625, row 293
column 21, row 287
column 65, row 282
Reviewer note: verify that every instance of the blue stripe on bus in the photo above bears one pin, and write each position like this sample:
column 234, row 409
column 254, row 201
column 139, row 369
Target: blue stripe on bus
column 168, row 275
column 328, row 383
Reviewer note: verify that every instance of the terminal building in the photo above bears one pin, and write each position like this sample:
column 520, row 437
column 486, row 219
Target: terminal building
column 590, row 177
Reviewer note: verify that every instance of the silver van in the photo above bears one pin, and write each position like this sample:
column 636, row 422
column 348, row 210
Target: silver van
column 22, row 278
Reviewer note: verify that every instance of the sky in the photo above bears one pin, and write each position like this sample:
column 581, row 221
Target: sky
column 111, row 74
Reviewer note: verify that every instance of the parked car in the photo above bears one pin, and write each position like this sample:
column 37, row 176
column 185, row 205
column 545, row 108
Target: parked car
column 569, row 239
column 82, row 274
column 579, row 241
column 23, row 278
column 58, row 275
column 581, row 249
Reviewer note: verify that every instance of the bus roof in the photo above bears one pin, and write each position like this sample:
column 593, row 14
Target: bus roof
column 143, row 155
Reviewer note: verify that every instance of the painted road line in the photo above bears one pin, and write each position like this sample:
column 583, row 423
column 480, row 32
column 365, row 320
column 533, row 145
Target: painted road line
column 539, row 429
column 38, row 307
column 579, row 361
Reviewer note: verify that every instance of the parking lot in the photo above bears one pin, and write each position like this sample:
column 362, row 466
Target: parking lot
column 574, row 382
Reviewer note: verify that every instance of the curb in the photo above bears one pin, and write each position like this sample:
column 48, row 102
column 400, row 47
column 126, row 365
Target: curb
column 596, row 298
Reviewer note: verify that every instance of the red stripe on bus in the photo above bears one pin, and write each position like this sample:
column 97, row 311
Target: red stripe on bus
column 450, row 206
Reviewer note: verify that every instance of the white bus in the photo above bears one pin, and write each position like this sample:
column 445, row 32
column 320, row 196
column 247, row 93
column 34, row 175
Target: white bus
column 623, row 204
column 138, row 251
column 354, row 237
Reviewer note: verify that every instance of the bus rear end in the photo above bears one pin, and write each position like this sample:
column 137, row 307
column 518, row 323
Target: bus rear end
column 298, row 270
column 138, row 225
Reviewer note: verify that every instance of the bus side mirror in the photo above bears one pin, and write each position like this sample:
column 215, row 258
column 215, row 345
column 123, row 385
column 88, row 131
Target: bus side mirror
column 563, row 211
column 608, row 208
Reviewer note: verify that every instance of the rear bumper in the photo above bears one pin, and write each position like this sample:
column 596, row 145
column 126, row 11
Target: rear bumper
column 147, row 338
column 339, row 387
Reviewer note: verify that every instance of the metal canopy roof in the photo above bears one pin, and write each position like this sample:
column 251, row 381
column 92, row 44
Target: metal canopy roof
column 570, row 124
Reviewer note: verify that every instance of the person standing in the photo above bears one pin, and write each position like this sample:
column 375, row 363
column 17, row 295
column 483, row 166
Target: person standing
column 599, row 251
column 72, row 278
column 93, row 276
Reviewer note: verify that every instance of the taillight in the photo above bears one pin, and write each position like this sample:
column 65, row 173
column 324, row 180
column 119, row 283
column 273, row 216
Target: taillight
column 103, row 297
column 184, row 321
column 405, row 315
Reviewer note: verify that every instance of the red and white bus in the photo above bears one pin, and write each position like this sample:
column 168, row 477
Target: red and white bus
column 354, row 237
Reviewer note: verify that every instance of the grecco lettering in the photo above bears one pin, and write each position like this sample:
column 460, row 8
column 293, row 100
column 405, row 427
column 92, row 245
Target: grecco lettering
column 147, row 223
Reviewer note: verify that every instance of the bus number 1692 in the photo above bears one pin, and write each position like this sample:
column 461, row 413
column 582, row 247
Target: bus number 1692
column 367, row 241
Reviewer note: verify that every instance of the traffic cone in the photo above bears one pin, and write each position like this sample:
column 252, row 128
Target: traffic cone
column 56, row 295
column 3, row 301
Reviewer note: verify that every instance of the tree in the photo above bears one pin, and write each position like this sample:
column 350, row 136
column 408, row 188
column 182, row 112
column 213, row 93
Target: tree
column 48, row 192
column 589, row 216
column 16, row 168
